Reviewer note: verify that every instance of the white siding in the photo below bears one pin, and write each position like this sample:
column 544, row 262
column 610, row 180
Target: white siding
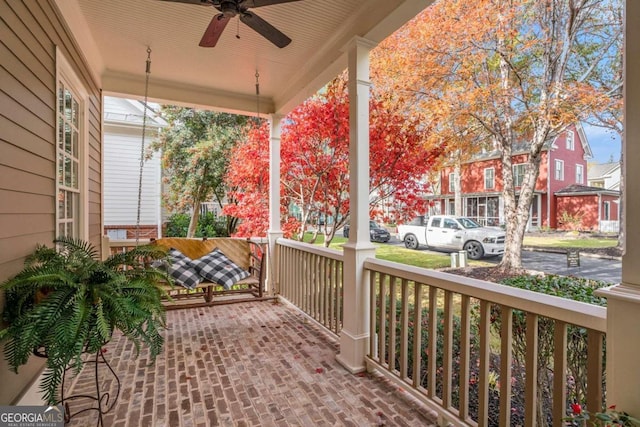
column 121, row 171
column 122, row 140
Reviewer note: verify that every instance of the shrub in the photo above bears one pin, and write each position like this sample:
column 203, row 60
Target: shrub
column 574, row 288
column 209, row 225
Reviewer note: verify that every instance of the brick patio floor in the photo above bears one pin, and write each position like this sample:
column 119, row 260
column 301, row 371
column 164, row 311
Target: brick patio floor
column 248, row 364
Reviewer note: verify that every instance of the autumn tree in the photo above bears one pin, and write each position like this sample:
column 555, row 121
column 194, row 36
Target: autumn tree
column 248, row 181
column 508, row 70
column 315, row 156
column 195, row 147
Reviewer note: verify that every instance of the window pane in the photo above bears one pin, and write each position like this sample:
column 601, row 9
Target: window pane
column 67, row 171
column 74, row 176
column 61, row 99
column 67, row 105
column 61, row 209
column 70, row 204
column 60, row 133
column 492, row 206
column 74, row 113
column 76, row 210
column 67, row 138
column 74, row 144
column 60, row 169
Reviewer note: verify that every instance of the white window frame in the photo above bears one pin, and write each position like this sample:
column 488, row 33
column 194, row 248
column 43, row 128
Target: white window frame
column 67, row 78
column 570, row 141
column 450, row 207
column 518, row 182
column 558, row 170
column 579, row 174
column 452, row 182
column 606, row 211
column 489, row 185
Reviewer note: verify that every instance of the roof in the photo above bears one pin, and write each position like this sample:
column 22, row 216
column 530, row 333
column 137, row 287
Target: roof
column 522, row 147
column 114, row 36
column 581, row 190
column 128, row 112
column 601, row 170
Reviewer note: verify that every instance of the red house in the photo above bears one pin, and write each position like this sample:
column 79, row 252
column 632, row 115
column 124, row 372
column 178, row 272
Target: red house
column 562, row 199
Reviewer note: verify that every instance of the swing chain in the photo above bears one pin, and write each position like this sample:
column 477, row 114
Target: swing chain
column 144, row 132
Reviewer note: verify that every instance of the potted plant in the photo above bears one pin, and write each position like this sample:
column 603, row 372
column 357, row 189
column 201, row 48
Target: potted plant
column 67, row 302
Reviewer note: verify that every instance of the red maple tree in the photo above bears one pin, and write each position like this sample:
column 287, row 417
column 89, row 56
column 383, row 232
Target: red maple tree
column 315, row 165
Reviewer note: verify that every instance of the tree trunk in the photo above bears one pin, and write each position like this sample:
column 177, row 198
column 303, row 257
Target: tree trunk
column 517, row 212
column 457, row 186
column 195, row 217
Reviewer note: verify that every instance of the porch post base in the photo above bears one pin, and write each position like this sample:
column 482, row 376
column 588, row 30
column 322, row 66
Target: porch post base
column 272, row 282
column 353, row 350
column 623, row 346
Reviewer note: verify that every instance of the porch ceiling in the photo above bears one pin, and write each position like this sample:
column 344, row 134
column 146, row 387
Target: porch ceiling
column 115, row 34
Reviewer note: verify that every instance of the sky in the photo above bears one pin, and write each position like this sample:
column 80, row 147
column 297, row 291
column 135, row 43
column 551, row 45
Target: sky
column 604, row 144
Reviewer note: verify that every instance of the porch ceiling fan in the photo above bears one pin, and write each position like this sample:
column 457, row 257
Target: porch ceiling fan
column 231, row 8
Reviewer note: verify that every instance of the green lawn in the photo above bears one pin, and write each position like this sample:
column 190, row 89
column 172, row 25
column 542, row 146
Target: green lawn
column 567, row 242
column 399, row 254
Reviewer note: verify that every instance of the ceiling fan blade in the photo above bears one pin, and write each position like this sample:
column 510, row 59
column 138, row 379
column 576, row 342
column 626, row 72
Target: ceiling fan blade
column 198, row 2
column 214, row 30
column 260, row 3
column 265, row 29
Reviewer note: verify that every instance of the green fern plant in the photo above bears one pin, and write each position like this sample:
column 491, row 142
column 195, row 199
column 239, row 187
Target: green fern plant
column 67, row 302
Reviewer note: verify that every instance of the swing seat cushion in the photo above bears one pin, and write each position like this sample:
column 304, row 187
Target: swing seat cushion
column 217, row 268
column 180, row 269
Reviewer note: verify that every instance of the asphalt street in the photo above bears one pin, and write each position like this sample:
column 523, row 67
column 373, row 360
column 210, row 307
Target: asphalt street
column 590, row 267
column 606, row 270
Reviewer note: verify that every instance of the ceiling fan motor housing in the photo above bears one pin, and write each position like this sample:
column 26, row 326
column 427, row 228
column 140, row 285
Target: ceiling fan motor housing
column 229, row 9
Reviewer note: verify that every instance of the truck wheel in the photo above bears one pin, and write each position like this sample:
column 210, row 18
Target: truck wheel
column 411, row 241
column 474, row 249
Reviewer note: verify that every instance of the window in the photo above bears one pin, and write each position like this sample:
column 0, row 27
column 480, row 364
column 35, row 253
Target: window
column 559, row 170
column 471, row 207
column 518, row 174
column 489, row 178
column 69, row 164
column 451, row 224
column 579, row 174
column 452, row 182
column 606, row 211
column 435, row 222
column 451, row 207
column 570, row 140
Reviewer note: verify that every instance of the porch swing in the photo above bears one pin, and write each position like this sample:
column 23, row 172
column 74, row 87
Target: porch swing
column 206, row 271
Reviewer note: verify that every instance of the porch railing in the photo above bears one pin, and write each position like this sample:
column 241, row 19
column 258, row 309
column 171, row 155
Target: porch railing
column 311, row 279
column 450, row 341
column 609, row 226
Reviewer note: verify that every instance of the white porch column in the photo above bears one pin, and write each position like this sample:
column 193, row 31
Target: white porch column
column 623, row 300
column 274, row 232
column 354, row 338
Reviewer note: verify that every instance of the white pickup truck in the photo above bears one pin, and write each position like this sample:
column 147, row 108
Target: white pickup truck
column 455, row 233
